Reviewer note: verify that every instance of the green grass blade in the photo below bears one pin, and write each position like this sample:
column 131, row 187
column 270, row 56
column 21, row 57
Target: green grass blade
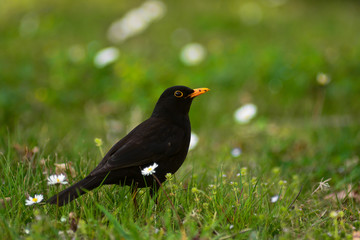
column 116, row 223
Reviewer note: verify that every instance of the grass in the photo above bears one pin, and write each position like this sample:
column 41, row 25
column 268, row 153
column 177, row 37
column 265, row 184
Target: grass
column 52, row 109
column 212, row 199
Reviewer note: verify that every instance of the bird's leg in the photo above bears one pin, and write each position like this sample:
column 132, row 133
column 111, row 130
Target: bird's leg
column 134, row 193
column 167, row 196
column 153, row 192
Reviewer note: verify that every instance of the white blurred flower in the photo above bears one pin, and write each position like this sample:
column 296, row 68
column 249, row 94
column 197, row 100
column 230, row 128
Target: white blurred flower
column 149, row 170
column 236, row 152
column 154, row 9
column 323, row 79
column 131, row 24
column 250, row 13
column 194, row 139
column 231, row 227
column 136, row 20
column 63, row 219
column 27, row 230
column 245, row 113
column 57, row 179
column 117, row 31
column 274, row 198
column 32, row 200
column 192, row 54
column 106, row 56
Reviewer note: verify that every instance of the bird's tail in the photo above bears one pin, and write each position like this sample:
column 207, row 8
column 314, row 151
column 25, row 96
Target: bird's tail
column 75, row 191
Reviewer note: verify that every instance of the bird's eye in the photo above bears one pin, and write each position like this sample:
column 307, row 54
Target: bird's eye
column 178, row 94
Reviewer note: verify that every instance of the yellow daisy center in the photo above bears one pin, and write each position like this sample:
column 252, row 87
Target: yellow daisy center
column 58, row 180
column 150, row 169
column 34, row 199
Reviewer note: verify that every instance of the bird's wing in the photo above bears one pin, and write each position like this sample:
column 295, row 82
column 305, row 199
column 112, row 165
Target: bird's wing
column 152, row 140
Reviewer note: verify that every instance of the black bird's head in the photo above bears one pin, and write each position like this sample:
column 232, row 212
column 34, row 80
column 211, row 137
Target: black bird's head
column 176, row 101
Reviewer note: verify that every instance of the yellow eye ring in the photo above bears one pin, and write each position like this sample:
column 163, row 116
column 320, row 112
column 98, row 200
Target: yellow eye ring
column 178, row 94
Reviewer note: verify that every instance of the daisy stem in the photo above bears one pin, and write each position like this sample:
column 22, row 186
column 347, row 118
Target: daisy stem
column 172, row 205
column 101, row 151
column 319, row 103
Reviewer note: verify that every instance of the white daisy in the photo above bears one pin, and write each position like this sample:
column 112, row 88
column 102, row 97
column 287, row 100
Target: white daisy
column 106, row 56
column 192, row 54
column 245, row 113
column 149, row 170
column 153, row 9
column 57, row 179
column 274, row 198
column 136, row 21
column 32, row 200
column 236, row 152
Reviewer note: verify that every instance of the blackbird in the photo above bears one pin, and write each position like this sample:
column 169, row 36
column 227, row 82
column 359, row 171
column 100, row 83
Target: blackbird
column 163, row 139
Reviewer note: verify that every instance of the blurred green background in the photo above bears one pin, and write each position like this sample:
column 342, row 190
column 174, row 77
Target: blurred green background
column 268, row 52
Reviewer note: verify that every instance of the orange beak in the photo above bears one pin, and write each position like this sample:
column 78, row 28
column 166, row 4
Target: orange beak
column 198, row 91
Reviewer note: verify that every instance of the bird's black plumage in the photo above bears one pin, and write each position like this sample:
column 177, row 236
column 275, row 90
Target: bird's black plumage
column 163, row 139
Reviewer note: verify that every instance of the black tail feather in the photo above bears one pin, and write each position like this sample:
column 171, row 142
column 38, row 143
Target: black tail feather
column 75, row 191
